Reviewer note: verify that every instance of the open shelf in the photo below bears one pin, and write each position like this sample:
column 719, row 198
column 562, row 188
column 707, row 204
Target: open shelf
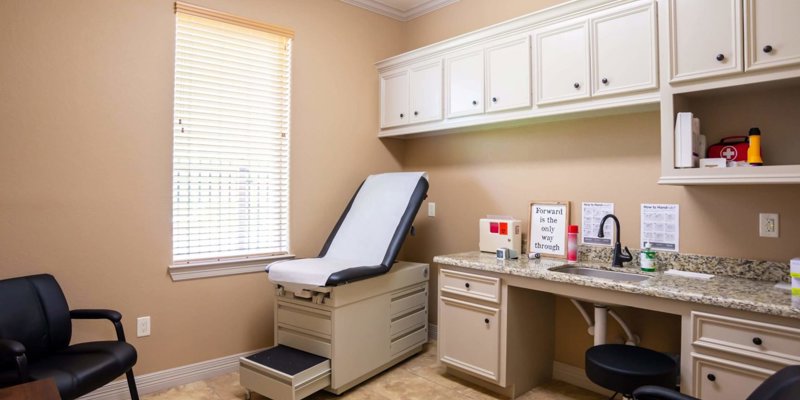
column 732, row 111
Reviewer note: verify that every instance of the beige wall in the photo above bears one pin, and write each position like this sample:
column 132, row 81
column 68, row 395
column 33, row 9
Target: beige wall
column 607, row 159
column 85, row 159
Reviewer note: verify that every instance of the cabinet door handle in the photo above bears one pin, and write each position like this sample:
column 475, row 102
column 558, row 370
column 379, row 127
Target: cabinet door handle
column 757, row 341
column 605, row 81
column 767, row 49
column 576, row 85
column 720, row 57
column 416, row 113
column 711, row 377
column 466, row 285
column 402, row 115
column 486, row 320
column 494, row 99
column 474, row 102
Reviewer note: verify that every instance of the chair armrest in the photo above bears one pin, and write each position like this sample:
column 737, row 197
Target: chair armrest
column 659, row 393
column 11, row 348
column 16, row 350
column 111, row 315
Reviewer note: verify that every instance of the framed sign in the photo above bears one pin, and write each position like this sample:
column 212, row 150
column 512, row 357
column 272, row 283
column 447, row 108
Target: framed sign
column 548, row 228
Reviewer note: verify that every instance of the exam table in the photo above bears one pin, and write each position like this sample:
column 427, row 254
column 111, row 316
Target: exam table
column 352, row 312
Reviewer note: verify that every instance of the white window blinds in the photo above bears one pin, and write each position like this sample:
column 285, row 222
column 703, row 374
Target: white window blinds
column 231, row 139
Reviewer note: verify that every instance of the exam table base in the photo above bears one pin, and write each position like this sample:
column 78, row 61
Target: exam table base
column 358, row 330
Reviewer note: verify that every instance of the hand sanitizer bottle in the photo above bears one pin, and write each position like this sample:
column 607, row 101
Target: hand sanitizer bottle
column 647, row 258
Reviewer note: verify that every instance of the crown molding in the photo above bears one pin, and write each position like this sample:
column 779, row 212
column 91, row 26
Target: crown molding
column 400, row 15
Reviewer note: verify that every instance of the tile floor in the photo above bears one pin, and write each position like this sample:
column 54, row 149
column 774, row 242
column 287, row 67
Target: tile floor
column 417, row 378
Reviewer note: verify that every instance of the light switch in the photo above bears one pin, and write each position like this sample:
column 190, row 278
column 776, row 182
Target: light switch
column 431, row 209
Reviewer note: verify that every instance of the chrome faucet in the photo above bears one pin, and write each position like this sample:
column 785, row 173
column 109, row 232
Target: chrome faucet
column 619, row 257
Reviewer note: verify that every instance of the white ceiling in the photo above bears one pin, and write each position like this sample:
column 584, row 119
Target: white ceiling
column 401, row 10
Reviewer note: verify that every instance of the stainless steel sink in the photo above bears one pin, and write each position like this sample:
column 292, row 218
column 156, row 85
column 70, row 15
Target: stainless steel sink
column 601, row 273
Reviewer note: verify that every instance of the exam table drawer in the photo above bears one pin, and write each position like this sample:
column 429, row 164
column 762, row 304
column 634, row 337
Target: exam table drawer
column 304, row 317
column 408, row 322
column 408, row 300
column 745, row 337
column 470, row 285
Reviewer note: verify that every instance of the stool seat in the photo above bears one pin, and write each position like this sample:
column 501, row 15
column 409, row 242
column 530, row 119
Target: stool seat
column 623, row 368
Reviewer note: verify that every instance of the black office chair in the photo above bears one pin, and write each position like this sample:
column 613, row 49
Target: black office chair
column 35, row 331
column 782, row 385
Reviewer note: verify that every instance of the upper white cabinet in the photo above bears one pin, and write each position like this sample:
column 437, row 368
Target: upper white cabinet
column 508, row 75
column 606, row 53
column 464, row 83
column 562, row 62
column 773, row 33
column 394, row 98
column 583, row 56
column 426, row 92
column 705, row 38
column 624, row 51
column 412, row 94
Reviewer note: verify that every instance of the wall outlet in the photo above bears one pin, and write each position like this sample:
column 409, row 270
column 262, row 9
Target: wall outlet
column 431, row 209
column 143, row 326
column 768, row 225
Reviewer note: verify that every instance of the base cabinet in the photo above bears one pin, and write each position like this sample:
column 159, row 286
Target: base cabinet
column 720, row 379
column 500, row 334
column 473, row 337
column 731, row 356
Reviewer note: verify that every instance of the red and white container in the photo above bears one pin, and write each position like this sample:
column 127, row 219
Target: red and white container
column 572, row 243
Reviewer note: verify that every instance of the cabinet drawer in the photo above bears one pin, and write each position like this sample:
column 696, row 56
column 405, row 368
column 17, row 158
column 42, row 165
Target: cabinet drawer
column 470, row 338
column 717, row 379
column 470, row 285
column 750, row 338
column 304, row 318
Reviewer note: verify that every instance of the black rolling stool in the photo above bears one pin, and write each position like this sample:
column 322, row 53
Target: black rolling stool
column 623, row 368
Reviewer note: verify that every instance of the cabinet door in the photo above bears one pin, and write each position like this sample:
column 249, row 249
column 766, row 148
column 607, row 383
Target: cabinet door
column 773, row 29
column 470, row 337
column 562, row 62
column 464, row 81
column 394, row 99
column 508, row 75
column 426, row 92
column 705, row 38
column 624, row 55
column 718, row 379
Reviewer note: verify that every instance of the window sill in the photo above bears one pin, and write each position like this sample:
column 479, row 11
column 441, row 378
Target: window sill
column 222, row 268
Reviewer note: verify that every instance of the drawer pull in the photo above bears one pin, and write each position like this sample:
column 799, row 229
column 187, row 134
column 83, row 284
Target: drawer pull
column 466, row 285
column 767, row 49
column 757, row 341
column 711, row 377
column 720, row 57
column 486, row 320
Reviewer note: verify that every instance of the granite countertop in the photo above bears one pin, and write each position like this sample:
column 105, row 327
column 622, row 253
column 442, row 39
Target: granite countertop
column 723, row 291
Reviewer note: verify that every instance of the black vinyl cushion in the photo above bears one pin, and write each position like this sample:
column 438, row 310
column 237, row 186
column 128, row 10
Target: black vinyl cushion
column 35, row 313
column 623, row 368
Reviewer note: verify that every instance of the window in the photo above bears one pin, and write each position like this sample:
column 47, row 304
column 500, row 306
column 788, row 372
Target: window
column 230, row 188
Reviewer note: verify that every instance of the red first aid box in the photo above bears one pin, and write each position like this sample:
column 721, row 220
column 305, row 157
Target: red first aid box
column 731, row 148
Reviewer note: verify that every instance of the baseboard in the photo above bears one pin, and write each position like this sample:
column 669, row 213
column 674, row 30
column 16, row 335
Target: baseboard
column 433, row 332
column 577, row 377
column 156, row 381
